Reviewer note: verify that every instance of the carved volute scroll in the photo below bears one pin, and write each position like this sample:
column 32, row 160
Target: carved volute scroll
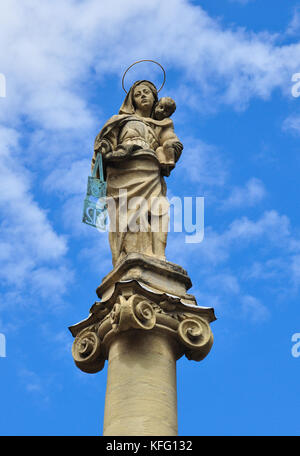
column 196, row 335
column 132, row 313
column 87, row 352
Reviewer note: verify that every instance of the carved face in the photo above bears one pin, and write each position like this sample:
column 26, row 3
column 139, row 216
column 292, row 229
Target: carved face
column 143, row 97
column 160, row 111
column 164, row 108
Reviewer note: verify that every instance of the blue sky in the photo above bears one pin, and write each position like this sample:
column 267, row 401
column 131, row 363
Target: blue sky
column 229, row 68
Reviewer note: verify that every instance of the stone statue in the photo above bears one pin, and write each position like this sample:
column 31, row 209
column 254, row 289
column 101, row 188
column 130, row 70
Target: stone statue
column 145, row 319
column 139, row 147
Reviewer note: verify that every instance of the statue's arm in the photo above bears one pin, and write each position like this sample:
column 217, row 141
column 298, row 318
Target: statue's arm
column 168, row 139
column 105, row 141
column 103, row 145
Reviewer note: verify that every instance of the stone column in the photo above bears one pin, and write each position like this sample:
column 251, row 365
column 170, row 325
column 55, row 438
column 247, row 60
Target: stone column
column 143, row 324
column 141, row 396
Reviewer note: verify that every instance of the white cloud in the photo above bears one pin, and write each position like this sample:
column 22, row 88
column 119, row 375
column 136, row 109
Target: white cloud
column 71, row 180
column 224, row 282
column 202, row 164
column 38, row 385
column 51, row 282
column 294, row 25
column 225, row 291
column 251, row 194
column 31, row 381
column 276, row 264
column 271, row 269
column 271, row 227
column 52, row 70
column 28, row 241
column 253, row 309
column 295, row 270
column 292, row 124
column 61, row 339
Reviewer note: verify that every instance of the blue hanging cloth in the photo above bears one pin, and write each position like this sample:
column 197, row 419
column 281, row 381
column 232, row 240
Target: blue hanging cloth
column 95, row 207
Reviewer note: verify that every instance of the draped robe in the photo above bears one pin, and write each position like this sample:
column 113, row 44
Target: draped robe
column 139, row 221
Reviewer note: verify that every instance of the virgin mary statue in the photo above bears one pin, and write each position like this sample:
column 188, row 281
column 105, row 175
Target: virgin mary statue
column 136, row 191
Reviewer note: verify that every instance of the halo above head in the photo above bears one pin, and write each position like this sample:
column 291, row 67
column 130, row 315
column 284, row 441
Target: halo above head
column 139, row 61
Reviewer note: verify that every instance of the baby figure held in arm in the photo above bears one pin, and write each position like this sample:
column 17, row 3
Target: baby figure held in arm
column 165, row 107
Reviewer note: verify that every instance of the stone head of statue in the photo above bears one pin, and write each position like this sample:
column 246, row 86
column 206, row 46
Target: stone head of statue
column 141, row 99
column 164, row 108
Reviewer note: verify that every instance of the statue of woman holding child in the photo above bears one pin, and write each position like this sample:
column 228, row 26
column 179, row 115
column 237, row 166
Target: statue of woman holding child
column 139, row 147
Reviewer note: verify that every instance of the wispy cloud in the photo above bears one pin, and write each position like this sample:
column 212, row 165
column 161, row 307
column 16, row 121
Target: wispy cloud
column 271, row 227
column 29, row 244
column 39, row 385
column 53, row 69
column 241, row 197
column 294, row 25
column 275, row 264
column 69, row 181
column 295, row 270
column 292, row 124
column 202, row 164
column 31, row 381
column 254, row 309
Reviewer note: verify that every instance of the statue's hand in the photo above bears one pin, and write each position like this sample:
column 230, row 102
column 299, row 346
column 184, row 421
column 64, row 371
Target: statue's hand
column 103, row 147
column 116, row 155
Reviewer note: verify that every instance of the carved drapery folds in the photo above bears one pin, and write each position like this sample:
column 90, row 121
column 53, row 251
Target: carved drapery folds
column 133, row 308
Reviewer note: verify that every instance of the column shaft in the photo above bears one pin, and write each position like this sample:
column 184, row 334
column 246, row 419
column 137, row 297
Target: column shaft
column 141, row 394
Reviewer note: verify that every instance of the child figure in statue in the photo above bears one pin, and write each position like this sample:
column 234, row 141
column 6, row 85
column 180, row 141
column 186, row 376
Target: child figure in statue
column 165, row 107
